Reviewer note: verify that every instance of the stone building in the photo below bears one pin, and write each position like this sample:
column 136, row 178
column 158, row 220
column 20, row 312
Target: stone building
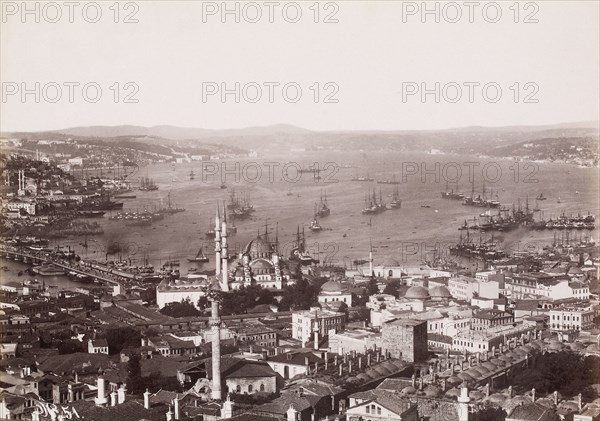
column 405, row 339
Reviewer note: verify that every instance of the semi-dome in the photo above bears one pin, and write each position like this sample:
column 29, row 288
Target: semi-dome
column 417, row 293
column 440, row 292
column 332, row 286
column 409, row 390
column 257, row 248
column 432, row 391
column 261, row 264
column 454, row 380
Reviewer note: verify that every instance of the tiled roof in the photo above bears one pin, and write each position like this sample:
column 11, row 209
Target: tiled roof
column 296, row 358
column 127, row 411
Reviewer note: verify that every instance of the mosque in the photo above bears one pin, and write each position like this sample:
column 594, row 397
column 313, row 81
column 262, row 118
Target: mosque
column 260, row 262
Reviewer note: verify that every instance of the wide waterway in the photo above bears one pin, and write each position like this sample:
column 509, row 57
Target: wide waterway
column 406, row 235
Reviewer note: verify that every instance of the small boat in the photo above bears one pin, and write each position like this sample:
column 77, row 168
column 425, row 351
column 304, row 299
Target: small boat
column 541, row 197
column 315, row 226
column 426, row 206
column 200, row 257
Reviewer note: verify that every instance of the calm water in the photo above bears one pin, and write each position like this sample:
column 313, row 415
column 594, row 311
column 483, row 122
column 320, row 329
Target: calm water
column 404, row 234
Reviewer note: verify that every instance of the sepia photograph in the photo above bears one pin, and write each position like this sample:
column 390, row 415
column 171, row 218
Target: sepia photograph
column 311, row 210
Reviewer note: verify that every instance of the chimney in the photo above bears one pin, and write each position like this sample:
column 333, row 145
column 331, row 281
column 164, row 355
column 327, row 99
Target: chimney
column 555, row 396
column 176, row 406
column 510, row 392
column 227, row 408
column 147, row 399
column 533, row 394
column 101, row 398
column 579, row 402
column 121, row 394
column 113, row 398
column 170, row 414
column 291, row 414
column 463, row 404
column 306, row 361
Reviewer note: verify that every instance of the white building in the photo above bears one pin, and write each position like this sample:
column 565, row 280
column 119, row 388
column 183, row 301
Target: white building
column 316, row 323
column 182, row 289
column 571, row 318
column 535, row 285
column 333, row 291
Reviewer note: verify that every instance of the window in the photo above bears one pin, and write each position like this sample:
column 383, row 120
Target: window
column 378, row 411
column 262, row 387
column 250, row 388
column 238, row 388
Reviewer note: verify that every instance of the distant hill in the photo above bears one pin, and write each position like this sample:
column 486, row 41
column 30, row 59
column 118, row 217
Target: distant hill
column 500, row 141
column 178, row 133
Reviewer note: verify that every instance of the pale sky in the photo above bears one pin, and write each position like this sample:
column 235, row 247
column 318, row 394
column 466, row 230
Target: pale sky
column 366, row 56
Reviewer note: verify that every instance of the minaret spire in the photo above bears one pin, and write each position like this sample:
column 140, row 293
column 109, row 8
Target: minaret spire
column 215, row 323
column 224, row 253
column 217, row 241
column 371, row 258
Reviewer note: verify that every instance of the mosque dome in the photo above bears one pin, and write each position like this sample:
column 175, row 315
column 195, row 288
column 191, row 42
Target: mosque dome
column 417, row 293
column 332, row 286
column 440, row 292
column 261, row 264
column 257, row 248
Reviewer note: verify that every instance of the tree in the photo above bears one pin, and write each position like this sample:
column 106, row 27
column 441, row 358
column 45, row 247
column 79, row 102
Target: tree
column 184, row 308
column 392, row 288
column 119, row 338
column 567, row 372
column 372, row 287
column 300, row 296
column 490, row 414
column 134, row 380
column 70, row 346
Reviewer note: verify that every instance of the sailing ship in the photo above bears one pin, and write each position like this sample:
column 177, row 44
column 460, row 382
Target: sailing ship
column 211, row 231
column 200, row 257
column 322, row 208
column 372, row 206
column 396, row 203
column 314, row 225
column 171, row 209
column 541, row 197
column 452, row 195
column 239, row 205
column 481, row 200
column 147, row 184
column 299, row 252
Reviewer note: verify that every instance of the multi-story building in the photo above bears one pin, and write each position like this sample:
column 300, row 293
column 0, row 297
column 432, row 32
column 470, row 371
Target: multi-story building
column 486, row 319
column 571, row 318
column 305, row 324
column 531, row 285
column 405, row 339
column 463, row 287
column 175, row 291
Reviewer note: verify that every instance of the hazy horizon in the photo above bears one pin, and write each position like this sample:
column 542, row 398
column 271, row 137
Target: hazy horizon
column 546, row 65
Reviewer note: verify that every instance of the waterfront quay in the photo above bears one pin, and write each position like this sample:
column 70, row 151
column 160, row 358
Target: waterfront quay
column 96, row 272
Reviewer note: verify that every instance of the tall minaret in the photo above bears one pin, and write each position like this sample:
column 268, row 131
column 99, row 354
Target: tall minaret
column 224, row 253
column 371, row 260
column 215, row 323
column 217, row 242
